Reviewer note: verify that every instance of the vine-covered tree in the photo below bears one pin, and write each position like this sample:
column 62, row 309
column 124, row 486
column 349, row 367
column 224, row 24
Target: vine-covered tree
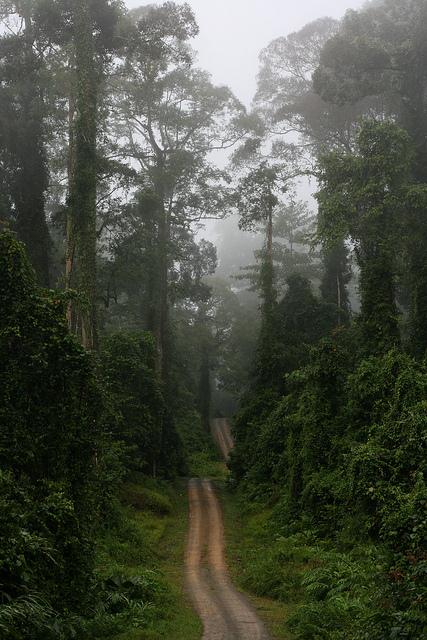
column 93, row 27
column 23, row 161
column 379, row 51
column 363, row 197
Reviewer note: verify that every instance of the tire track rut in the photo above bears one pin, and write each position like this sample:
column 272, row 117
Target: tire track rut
column 226, row 614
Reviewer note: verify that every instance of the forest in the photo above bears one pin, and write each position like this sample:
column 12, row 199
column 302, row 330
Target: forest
column 172, row 262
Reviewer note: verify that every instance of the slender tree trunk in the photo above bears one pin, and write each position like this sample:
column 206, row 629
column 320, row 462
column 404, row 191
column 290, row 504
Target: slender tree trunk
column 267, row 269
column 70, row 231
column 339, row 299
column 333, row 284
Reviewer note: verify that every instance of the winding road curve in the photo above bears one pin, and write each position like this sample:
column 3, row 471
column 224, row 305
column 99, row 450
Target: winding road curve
column 226, row 614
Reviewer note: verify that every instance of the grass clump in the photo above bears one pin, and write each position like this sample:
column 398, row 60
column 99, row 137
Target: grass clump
column 206, row 464
column 144, row 499
column 140, row 568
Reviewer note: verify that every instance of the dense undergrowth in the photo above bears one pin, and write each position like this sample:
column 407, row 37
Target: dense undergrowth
column 80, row 545
column 340, row 459
column 332, row 433
column 139, row 563
column 310, row 587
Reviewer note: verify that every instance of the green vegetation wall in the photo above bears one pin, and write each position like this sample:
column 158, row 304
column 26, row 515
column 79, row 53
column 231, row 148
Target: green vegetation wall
column 52, row 441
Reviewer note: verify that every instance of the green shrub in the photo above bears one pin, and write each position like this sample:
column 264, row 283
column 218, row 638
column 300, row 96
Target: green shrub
column 142, row 498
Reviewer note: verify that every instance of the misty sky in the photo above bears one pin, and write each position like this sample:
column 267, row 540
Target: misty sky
column 233, row 32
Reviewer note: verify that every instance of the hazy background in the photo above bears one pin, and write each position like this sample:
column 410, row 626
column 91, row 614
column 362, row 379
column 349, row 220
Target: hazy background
column 233, row 32
column 232, row 35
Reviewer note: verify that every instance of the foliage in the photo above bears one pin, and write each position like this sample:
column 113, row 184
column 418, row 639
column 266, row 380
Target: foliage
column 363, row 197
column 344, row 454
column 23, row 158
column 379, row 52
column 52, row 433
column 339, row 446
column 135, row 391
column 107, row 128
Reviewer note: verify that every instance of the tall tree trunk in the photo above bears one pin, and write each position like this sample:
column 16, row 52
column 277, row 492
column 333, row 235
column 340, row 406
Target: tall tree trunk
column 163, row 311
column 205, row 389
column 267, row 269
column 70, row 231
column 82, row 198
column 161, row 329
column 30, row 187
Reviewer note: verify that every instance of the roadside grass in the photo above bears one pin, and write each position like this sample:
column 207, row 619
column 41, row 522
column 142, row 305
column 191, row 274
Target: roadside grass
column 273, row 587
column 207, row 464
column 140, row 557
column 303, row 587
column 147, row 541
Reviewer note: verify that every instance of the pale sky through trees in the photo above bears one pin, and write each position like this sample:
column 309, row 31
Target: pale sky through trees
column 232, row 35
column 233, row 32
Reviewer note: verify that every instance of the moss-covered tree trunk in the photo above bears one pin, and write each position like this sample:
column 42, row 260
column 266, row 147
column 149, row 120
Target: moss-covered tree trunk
column 377, row 289
column 82, row 198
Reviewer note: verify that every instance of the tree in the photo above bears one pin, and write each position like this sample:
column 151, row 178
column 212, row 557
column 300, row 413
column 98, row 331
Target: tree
column 128, row 360
column 93, row 29
column 362, row 197
column 171, row 117
column 294, row 250
column 51, row 447
column 288, row 104
column 23, row 163
column 380, row 51
column 257, row 199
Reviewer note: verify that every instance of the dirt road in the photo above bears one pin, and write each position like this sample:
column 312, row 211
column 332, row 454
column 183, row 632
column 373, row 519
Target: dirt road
column 221, row 434
column 226, row 614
